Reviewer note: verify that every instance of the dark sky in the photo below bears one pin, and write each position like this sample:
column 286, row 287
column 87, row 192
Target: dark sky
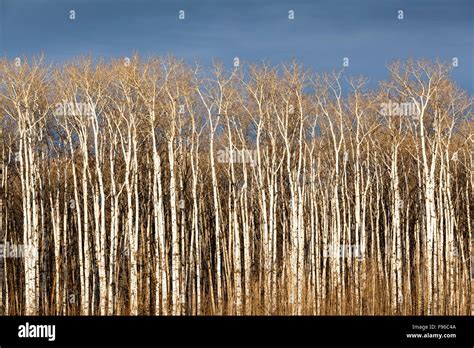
column 322, row 33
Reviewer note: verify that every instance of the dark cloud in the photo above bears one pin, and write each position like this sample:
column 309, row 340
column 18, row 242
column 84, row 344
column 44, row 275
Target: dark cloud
column 323, row 32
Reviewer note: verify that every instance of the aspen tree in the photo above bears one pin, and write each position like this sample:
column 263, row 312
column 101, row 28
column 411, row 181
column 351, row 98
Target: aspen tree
column 2, row 231
column 324, row 202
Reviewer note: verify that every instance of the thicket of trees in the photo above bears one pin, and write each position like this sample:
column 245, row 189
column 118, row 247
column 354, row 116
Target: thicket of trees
column 150, row 187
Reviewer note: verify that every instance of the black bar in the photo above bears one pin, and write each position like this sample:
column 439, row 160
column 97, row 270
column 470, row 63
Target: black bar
column 289, row 331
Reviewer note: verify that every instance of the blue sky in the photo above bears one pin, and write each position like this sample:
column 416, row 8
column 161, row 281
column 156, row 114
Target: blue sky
column 321, row 34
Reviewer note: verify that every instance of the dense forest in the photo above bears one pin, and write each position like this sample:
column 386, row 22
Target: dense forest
column 155, row 187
